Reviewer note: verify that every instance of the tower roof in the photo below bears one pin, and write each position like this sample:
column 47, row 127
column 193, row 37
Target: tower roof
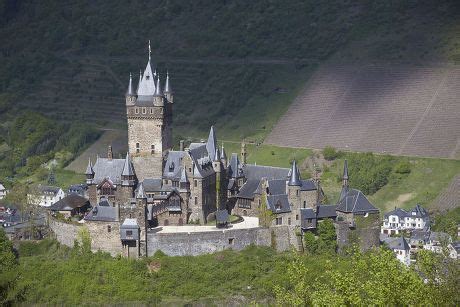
column 183, row 176
column 130, row 90
column 147, row 84
column 294, row 179
column 158, row 91
column 217, row 155
column 140, row 80
column 211, row 145
column 127, row 168
column 141, row 192
column 345, row 170
column 167, row 85
column 89, row 168
column 223, row 156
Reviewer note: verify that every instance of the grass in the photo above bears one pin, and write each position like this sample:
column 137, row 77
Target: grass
column 63, row 178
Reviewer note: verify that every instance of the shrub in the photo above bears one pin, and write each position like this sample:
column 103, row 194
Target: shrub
column 330, row 153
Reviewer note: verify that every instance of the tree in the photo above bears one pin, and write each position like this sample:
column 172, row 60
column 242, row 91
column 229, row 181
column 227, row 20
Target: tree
column 327, row 237
column 8, row 270
column 330, row 153
column 266, row 216
column 311, row 246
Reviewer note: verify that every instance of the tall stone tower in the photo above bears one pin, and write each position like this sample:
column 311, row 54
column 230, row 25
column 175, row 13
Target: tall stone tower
column 149, row 114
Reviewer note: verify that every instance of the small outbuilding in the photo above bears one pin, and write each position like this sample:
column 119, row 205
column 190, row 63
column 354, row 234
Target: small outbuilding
column 71, row 205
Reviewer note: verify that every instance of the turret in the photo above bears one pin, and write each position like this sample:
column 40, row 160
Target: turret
column 128, row 177
column 294, row 179
column 223, row 156
column 130, row 95
column 293, row 186
column 168, row 91
column 109, row 153
column 89, row 172
column 211, row 145
column 158, row 98
column 345, row 174
column 139, row 83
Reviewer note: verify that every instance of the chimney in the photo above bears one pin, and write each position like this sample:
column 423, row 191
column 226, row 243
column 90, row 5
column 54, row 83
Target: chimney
column 110, row 153
column 181, row 145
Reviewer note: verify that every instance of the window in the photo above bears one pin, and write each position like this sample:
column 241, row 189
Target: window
column 231, row 241
column 189, row 169
column 296, row 217
column 137, row 147
column 129, row 233
column 196, row 200
column 305, row 204
column 109, row 228
column 137, row 110
column 279, row 221
column 144, row 110
column 297, row 192
column 289, row 221
column 309, row 221
column 195, row 183
column 151, row 110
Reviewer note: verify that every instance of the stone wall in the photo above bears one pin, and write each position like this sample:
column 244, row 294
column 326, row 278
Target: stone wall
column 64, row 233
column 365, row 233
column 105, row 236
column 197, row 243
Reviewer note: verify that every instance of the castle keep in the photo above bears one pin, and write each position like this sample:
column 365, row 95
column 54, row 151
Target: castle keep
column 156, row 186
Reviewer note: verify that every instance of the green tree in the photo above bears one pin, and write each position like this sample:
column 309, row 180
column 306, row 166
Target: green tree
column 8, row 271
column 311, row 246
column 327, row 237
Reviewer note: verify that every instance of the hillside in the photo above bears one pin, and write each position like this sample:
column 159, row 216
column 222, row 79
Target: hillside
column 397, row 109
column 232, row 63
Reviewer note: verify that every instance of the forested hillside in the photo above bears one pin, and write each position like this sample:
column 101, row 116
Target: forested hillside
column 230, row 61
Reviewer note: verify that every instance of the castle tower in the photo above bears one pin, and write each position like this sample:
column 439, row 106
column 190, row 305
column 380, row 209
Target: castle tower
column 149, row 116
column 89, row 173
column 217, row 166
column 223, row 156
column 293, row 186
column 345, row 174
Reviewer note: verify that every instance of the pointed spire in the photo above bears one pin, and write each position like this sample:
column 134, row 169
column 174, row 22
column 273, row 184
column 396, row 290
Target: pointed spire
column 130, row 91
column 212, row 143
column 223, row 156
column 110, row 153
column 217, row 155
column 158, row 91
column 345, row 170
column 294, row 180
column 167, row 85
column 141, row 192
column 127, row 168
column 183, row 176
column 89, row 168
column 150, row 52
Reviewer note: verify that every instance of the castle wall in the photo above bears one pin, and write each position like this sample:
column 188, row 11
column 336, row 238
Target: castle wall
column 196, row 243
column 365, row 233
column 64, row 233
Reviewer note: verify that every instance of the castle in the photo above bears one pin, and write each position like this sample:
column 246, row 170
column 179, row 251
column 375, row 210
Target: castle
column 155, row 185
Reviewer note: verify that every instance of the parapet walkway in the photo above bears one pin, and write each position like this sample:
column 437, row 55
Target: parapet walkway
column 247, row 223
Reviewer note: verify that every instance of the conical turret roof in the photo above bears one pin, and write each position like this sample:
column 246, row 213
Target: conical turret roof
column 89, row 168
column 211, row 145
column 294, row 180
column 130, row 90
column 127, row 168
column 345, row 170
column 167, row 85
column 158, row 91
column 217, row 155
column 141, row 192
column 147, row 84
column 223, row 156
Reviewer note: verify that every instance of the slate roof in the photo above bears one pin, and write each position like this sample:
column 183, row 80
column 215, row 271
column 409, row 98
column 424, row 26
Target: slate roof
column 308, row 185
column 173, row 165
column 401, row 213
column 152, row 185
column 48, row 189
column 106, row 168
column 419, row 211
column 234, row 167
column 277, row 186
column 167, row 85
column 129, row 224
column 211, row 145
column 354, row 201
column 102, row 213
column 147, row 84
column 78, row 188
column 398, row 243
column 69, row 203
column 249, row 188
column 273, row 201
column 305, row 214
column 140, row 192
column 89, row 168
column 420, row 235
column 438, row 236
column 326, row 211
column 258, row 172
column 2, row 187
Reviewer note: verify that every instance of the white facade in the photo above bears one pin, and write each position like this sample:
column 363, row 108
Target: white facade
column 400, row 219
column 47, row 196
column 3, row 191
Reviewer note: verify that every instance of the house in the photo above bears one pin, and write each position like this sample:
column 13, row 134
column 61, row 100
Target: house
column 3, row 191
column 79, row 189
column 437, row 241
column 400, row 247
column 399, row 219
column 454, row 250
column 46, row 195
column 71, row 205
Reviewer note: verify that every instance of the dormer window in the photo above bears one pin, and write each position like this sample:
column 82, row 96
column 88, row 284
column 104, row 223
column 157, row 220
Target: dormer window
column 147, row 77
column 278, row 206
column 171, row 167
